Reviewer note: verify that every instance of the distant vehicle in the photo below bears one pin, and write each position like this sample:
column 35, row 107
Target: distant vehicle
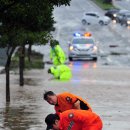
column 126, row 20
column 94, row 18
column 83, row 47
column 112, row 13
column 120, row 15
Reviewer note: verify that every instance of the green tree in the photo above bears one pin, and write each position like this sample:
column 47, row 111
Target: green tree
column 25, row 22
column 107, row 1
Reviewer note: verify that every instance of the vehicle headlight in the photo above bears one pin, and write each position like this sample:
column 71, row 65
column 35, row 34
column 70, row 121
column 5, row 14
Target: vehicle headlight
column 114, row 15
column 114, row 21
column 95, row 48
column 71, row 48
column 128, row 22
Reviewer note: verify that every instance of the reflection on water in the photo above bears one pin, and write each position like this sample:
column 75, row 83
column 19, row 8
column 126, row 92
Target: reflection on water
column 17, row 118
column 27, row 108
column 77, row 65
column 128, row 27
column 78, row 69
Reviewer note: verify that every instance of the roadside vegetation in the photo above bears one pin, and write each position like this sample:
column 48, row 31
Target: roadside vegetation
column 104, row 5
column 35, row 61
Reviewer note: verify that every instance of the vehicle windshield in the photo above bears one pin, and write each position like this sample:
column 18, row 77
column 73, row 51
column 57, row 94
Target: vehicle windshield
column 83, row 41
column 128, row 16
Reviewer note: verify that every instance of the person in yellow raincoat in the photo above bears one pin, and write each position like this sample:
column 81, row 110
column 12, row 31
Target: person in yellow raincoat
column 57, row 55
column 61, row 72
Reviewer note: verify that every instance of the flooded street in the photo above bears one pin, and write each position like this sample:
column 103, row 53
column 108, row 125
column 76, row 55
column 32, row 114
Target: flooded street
column 105, row 83
column 106, row 89
column 26, row 110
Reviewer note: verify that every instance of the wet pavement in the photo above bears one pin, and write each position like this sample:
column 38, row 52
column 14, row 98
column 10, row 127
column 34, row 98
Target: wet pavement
column 106, row 89
column 69, row 21
column 26, row 110
column 122, row 4
column 105, row 83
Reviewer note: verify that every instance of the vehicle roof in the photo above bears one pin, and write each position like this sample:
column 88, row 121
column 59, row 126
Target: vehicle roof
column 113, row 10
column 124, row 11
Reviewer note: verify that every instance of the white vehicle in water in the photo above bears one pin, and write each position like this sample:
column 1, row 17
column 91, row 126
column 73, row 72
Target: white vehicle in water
column 95, row 18
column 82, row 47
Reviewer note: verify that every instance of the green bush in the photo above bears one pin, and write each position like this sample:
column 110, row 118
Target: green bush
column 36, row 61
column 104, row 5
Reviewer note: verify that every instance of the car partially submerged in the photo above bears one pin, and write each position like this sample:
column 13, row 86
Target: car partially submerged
column 83, row 47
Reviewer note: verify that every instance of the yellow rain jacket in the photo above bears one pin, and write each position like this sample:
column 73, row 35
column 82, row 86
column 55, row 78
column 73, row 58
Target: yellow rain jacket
column 61, row 72
column 57, row 55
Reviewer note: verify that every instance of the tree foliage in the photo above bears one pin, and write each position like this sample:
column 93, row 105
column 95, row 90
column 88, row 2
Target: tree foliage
column 107, row 1
column 24, row 20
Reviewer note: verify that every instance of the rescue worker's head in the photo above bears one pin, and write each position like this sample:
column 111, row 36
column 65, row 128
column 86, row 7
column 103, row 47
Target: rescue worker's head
column 52, row 121
column 53, row 43
column 51, row 70
column 50, row 97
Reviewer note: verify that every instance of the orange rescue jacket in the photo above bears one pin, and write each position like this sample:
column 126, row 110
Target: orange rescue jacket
column 66, row 101
column 80, row 120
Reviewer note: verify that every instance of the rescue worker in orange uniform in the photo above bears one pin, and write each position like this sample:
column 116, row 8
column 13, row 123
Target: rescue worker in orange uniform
column 65, row 101
column 74, row 120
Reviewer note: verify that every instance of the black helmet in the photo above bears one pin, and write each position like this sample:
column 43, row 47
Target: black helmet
column 49, row 70
column 50, row 120
column 54, row 43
